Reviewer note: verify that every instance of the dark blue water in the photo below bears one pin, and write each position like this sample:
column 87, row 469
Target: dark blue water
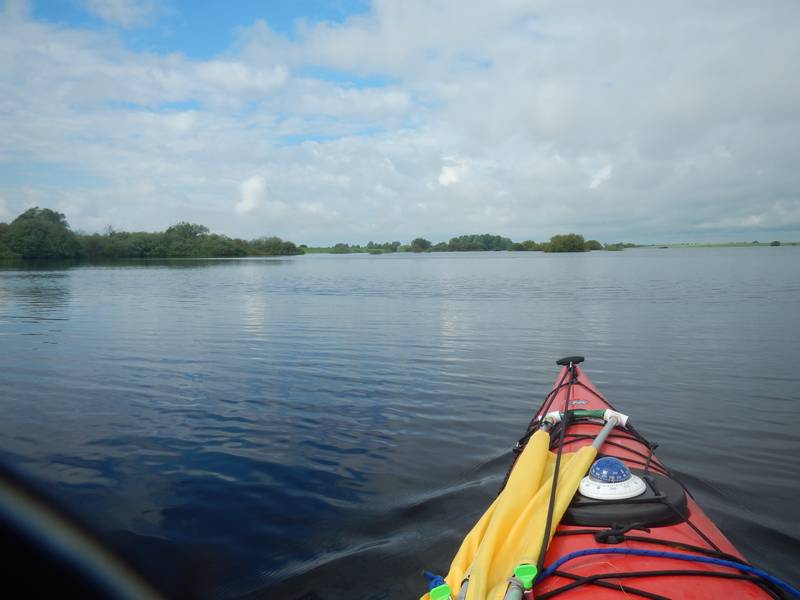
column 334, row 424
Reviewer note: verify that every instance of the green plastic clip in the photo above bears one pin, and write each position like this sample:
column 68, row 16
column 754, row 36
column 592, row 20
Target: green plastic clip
column 526, row 573
column 442, row 592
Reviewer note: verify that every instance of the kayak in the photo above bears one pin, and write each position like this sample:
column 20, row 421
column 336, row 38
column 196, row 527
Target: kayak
column 588, row 510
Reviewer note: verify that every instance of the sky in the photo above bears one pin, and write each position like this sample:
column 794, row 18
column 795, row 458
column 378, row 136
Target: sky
column 349, row 120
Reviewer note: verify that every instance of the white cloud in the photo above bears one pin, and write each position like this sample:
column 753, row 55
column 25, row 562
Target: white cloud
column 600, row 177
column 125, row 13
column 516, row 117
column 251, row 194
column 239, row 79
column 448, row 175
column 778, row 216
column 16, row 9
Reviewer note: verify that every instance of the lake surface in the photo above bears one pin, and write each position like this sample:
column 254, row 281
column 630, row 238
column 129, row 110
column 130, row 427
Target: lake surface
column 331, row 425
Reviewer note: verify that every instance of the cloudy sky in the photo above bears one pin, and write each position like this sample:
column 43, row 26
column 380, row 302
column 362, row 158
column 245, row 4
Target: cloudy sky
column 342, row 120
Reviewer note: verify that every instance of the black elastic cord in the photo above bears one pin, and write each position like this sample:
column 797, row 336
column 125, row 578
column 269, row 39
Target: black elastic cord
column 658, row 541
column 532, row 427
column 650, row 463
column 697, row 530
column 552, row 501
column 590, row 579
column 595, row 393
column 611, row 442
column 548, row 401
column 650, row 447
column 614, row 586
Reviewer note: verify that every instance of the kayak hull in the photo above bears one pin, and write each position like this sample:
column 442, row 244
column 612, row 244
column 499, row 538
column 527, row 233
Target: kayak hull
column 695, row 535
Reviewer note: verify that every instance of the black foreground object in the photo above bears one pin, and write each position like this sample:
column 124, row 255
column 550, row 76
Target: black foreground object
column 46, row 554
column 575, row 360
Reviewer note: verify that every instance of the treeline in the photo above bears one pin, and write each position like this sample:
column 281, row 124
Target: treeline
column 45, row 233
column 572, row 242
column 569, row 242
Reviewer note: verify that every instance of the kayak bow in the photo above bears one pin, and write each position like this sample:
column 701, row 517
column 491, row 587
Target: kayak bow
column 627, row 529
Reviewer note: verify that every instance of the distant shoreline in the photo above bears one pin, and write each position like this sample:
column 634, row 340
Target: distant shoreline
column 720, row 245
column 7, row 260
column 42, row 233
column 356, row 249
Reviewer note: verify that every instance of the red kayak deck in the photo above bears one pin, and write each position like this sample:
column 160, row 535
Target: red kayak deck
column 660, row 577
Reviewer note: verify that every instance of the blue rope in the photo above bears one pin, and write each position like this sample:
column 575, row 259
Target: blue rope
column 657, row 554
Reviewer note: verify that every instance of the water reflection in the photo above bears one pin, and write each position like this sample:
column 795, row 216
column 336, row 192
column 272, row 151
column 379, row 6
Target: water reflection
column 293, row 425
column 21, row 264
column 36, row 296
column 12, row 264
column 255, row 312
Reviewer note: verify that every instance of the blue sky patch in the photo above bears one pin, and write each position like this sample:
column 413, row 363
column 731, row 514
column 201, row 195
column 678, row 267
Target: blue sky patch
column 203, row 29
column 346, row 79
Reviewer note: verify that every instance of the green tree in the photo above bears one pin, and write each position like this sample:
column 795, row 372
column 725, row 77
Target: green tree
column 41, row 233
column 479, row 242
column 526, row 246
column 775, row 243
column 568, row 242
column 270, row 246
column 43, row 215
column 592, row 245
column 187, row 231
column 222, row 245
column 532, row 246
column 420, row 245
column 5, row 251
column 44, row 233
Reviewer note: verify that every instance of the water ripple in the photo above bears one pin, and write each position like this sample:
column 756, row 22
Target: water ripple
column 293, row 426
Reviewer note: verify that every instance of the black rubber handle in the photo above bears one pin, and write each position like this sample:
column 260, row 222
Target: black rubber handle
column 575, row 360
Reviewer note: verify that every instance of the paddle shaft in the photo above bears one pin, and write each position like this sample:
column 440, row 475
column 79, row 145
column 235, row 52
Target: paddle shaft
column 601, row 437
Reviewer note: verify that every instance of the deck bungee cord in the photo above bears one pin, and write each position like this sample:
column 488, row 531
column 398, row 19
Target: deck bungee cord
column 648, row 464
column 722, row 560
column 613, row 501
column 597, row 580
column 745, row 568
column 551, row 504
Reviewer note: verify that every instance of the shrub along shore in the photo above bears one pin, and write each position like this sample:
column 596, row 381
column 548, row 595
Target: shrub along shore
column 568, row 242
column 45, row 233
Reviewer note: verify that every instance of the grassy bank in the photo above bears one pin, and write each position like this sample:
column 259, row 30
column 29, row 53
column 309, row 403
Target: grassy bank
column 723, row 245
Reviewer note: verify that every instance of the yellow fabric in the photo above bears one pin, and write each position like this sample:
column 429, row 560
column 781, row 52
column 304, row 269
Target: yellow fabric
column 510, row 531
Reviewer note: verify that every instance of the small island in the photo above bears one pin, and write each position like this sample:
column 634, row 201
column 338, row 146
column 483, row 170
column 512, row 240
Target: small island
column 568, row 242
column 44, row 233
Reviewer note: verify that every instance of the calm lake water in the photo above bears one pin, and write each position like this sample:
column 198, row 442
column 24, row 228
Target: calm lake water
column 331, row 425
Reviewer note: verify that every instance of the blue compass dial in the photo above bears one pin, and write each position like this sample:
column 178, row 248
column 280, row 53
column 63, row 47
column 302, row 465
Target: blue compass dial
column 609, row 470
